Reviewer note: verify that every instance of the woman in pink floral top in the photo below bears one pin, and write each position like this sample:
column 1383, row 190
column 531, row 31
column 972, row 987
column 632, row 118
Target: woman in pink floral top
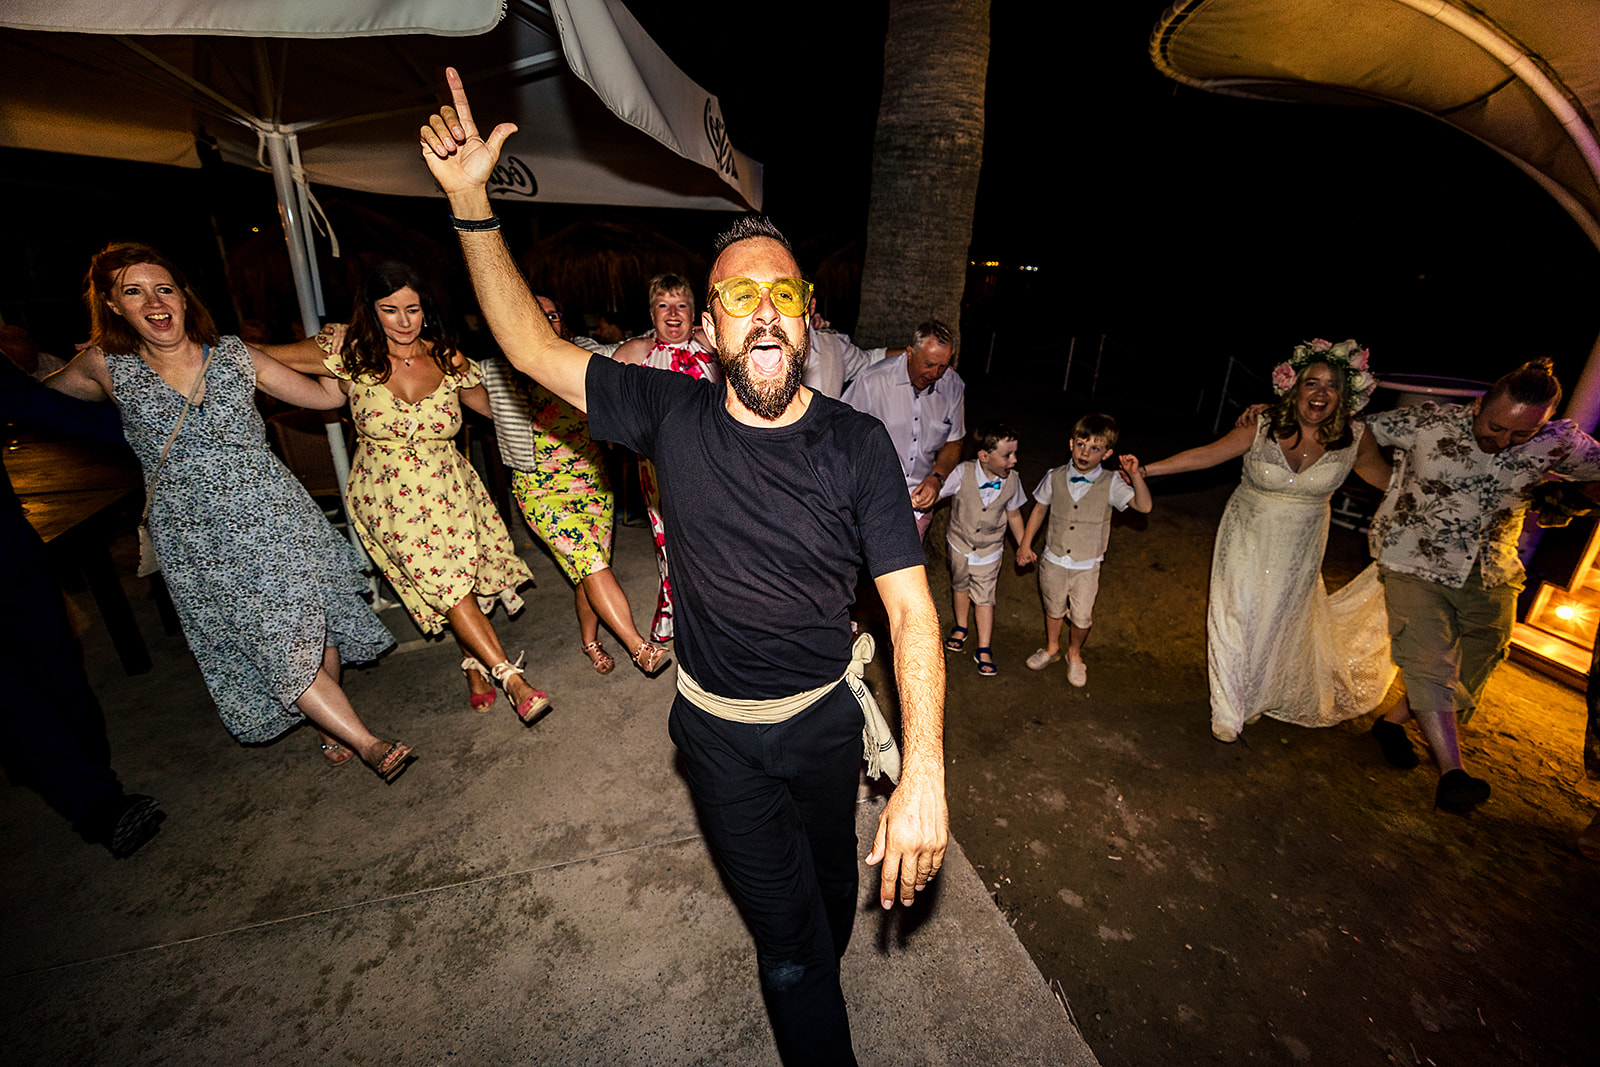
column 671, row 347
column 415, row 501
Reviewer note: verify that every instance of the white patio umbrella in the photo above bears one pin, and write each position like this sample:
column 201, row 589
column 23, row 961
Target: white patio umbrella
column 1521, row 76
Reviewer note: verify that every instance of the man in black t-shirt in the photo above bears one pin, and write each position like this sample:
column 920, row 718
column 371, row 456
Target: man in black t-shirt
column 774, row 497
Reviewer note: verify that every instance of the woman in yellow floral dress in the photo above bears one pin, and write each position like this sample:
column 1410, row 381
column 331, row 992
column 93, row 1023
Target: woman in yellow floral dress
column 416, row 502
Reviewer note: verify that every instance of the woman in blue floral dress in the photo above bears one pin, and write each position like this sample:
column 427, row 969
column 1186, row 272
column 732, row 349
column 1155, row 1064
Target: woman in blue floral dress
column 268, row 594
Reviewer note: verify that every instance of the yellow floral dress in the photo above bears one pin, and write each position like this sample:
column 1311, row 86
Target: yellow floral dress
column 418, row 505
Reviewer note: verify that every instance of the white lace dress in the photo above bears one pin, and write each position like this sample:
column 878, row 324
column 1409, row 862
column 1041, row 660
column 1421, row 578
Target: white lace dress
column 1276, row 643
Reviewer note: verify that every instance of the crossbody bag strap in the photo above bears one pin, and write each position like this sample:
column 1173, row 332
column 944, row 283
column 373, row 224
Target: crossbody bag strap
column 188, row 402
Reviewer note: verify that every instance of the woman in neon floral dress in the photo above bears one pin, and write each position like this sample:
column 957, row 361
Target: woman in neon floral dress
column 559, row 479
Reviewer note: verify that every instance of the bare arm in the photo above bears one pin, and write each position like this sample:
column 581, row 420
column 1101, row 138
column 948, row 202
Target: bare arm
column 926, row 494
column 1135, row 475
column 1232, row 445
column 307, row 356
column 292, row 387
column 1025, row 553
column 461, row 162
column 632, row 351
column 476, row 398
column 1370, row 464
column 84, row 377
column 915, row 826
column 1036, row 519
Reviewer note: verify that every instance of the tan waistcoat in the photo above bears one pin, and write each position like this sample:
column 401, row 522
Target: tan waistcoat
column 973, row 527
column 1079, row 529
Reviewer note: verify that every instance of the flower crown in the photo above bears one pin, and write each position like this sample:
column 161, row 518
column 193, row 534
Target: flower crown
column 1347, row 354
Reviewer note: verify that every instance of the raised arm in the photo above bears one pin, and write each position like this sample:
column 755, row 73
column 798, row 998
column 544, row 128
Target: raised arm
column 1134, row 474
column 1232, row 445
column 85, row 377
column 915, row 826
column 307, row 356
column 292, row 387
column 461, row 162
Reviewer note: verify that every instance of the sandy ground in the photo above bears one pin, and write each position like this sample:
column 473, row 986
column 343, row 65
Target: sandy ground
column 1287, row 899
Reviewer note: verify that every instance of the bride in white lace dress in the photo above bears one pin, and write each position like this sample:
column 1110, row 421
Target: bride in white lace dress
column 1276, row 643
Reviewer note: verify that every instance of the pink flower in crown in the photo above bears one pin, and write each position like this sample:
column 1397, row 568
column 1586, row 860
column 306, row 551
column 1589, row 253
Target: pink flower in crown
column 1319, row 345
column 1358, row 361
column 1283, row 377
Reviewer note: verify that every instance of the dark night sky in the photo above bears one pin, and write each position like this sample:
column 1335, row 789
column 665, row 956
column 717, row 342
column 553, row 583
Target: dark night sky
column 1185, row 225
column 1178, row 220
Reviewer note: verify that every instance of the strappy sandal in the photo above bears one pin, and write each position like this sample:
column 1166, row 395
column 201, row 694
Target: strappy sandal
column 394, row 761
column 987, row 670
column 651, row 659
column 480, row 702
column 336, row 754
column 535, row 705
column 954, row 643
column 603, row 663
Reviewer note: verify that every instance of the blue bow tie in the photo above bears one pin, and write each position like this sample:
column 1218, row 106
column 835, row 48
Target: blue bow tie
column 1079, row 478
column 988, row 485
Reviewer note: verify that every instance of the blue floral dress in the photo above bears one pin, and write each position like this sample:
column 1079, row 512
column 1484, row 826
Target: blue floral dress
column 261, row 582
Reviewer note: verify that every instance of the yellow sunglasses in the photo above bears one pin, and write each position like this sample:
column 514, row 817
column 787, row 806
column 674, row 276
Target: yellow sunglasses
column 741, row 296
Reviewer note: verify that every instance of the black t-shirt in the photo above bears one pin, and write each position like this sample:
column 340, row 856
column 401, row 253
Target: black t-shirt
column 766, row 529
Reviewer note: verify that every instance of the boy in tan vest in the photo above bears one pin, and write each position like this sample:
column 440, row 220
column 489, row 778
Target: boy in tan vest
column 1080, row 528
column 988, row 499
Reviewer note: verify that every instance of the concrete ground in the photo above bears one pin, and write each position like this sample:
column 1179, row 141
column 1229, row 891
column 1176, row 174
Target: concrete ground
column 520, row 895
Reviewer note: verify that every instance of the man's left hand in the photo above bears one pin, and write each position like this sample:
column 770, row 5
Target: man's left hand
column 913, row 833
column 926, row 494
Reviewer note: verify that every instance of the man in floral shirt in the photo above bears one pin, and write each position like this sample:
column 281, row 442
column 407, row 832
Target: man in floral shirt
column 1446, row 542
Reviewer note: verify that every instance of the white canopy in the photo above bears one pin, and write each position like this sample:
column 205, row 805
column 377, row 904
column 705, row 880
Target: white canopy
column 1521, row 76
column 580, row 78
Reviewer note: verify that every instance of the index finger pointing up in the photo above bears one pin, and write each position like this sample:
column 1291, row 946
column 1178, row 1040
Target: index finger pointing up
column 464, row 129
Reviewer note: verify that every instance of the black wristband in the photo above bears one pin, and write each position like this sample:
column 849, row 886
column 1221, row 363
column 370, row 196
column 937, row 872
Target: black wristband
column 476, row 225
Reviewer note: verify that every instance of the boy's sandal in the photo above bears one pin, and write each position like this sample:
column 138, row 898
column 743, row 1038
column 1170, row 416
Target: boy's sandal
column 651, row 659
column 603, row 663
column 954, row 643
column 987, row 670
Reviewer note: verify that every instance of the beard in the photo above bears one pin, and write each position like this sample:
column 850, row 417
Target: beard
column 769, row 400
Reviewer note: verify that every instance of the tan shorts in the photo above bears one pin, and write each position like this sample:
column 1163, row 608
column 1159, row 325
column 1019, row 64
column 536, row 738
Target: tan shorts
column 977, row 582
column 1061, row 586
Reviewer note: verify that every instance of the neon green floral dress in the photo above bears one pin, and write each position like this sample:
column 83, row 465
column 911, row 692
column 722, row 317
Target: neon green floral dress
column 418, row 505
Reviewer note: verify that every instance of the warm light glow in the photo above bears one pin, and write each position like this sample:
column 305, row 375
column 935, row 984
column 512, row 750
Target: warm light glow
column 1566, row 613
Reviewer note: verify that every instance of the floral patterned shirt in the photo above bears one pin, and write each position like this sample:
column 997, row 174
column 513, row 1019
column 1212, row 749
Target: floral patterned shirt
column 1450, row 501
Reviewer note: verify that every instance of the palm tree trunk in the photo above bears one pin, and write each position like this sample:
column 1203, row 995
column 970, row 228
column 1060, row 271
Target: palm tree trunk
column 925, row 163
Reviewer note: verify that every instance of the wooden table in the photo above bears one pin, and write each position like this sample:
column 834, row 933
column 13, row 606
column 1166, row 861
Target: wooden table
column 65, row 491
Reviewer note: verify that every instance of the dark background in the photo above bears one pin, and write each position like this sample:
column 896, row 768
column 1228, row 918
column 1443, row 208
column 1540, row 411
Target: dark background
column 1184, row 227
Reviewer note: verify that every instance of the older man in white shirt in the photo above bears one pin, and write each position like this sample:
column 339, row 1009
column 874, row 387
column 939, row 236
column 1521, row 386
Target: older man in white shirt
column 921, row 400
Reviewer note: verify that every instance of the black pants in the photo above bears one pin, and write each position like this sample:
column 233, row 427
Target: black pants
column 777, row 804
column 52, row 731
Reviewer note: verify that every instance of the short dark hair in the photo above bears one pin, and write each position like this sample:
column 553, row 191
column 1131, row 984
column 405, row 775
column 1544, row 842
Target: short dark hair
column 1097, row 425
column 750, row 224
column 1534, row 384
column 990, row 434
